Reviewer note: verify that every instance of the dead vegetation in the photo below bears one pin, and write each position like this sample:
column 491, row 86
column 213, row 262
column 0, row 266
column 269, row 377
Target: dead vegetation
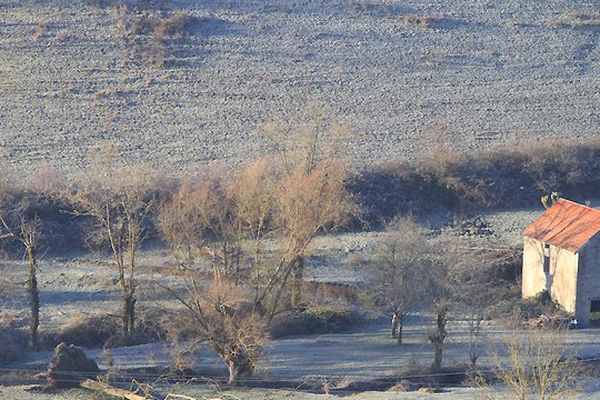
column 120, row 199
column 369, row 8
column 423, row 21
column 229, row 218
column 536, row 366
column 231, row 222
column 521, row 172
column 149, row 38
column 39, row 29
column 576, row 20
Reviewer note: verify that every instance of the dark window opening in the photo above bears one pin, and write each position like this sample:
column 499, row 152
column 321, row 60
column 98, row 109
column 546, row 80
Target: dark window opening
column 595, row 310
column 546, row 258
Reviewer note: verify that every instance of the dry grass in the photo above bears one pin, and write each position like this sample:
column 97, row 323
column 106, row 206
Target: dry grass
column 369, row 8
column 40, row 29
column 576, row 19
column 149, row 37
column 424, row 21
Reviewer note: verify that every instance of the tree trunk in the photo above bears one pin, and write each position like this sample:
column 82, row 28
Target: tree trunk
column 400, row 326
column 437, row 339
column 128, row 314
column 439, row 352
column 34, row 300
column 394, row 324
column 239, row 367
column 297, row 273
column 474, row 332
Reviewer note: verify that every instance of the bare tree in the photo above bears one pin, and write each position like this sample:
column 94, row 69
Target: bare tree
column 208, row 218
column 20, row 223
column 438, row 336
column 228, row 221
column 222, row 315
column 119, row 198
column 474, row 282
column 306, row 205
column 301, row 148
column 535, row 365
column 401, row 271
column 465, row 281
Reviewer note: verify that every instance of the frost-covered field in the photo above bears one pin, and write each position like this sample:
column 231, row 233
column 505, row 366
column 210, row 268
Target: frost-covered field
column 492, row 71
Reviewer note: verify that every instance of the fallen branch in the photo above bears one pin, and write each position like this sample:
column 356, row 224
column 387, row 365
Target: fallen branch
column 112, row 391
column 172, row 396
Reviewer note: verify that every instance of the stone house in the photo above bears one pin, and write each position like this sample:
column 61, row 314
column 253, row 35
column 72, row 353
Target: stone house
column 561, row 254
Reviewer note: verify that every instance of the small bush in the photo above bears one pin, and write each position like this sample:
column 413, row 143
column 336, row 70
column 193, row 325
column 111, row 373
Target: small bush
column 536, row 312
column 85, row 331
column 40, row 29
column 403, row 386
column 104, row 331
column 149, row 35
column 171, row 27
column 310, row 321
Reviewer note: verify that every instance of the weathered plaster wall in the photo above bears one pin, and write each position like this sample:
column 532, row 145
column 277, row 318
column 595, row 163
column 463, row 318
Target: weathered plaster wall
column 561, row 281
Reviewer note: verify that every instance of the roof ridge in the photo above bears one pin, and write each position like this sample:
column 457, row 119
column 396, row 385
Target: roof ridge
column 577, row 204
column 566, row 224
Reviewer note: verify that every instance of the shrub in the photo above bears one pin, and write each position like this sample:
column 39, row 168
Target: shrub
column 149, row 35
column 40, row 29
column 403, row 386
column 309, row 321
column 510, row 176
column 103, row 330
column 576, row 19
column 173, row 26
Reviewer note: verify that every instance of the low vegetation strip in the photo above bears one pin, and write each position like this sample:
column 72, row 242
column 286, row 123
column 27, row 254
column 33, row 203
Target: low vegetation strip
column 506, row 177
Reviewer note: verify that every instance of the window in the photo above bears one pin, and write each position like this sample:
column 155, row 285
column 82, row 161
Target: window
column 595, row 310
column 546, row 258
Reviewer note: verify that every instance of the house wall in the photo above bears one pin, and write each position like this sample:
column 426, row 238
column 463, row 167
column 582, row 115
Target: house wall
column 588, row 282
column 561, row 281
column 533, row 277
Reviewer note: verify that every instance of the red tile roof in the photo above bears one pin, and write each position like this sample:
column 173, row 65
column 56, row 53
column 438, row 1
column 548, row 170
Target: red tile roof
column 566, row 224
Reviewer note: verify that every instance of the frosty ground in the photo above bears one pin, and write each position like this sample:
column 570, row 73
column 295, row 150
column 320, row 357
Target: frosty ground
column 72, row 287
column 491, row 71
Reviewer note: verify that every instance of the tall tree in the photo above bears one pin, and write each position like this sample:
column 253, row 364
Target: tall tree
column 228, row 220
column 119, row 197
column 319, row 140
column 19, row 222
column 475, row 282
column 401, row 271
